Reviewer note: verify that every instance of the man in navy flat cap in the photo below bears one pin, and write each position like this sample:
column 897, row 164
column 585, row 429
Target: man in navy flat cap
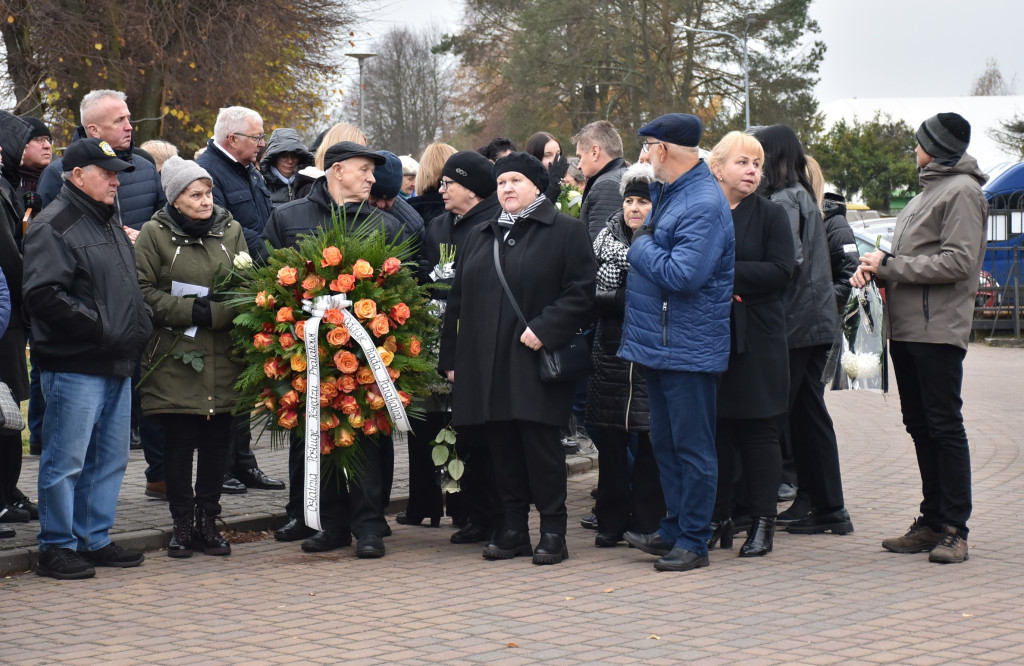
column 678, row 293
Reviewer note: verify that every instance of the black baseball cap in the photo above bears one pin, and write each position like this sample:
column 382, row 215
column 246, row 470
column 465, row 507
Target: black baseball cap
column 84, row 152
column 346, row 150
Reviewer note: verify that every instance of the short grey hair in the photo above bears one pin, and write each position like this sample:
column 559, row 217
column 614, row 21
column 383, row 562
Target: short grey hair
column 95, row 97
column 603, row 134
column 232, row 120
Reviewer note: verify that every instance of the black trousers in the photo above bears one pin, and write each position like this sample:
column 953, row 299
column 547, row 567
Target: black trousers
column 10, row 468
column 477, row 501
column 359, row 508
column 627, row 499
column 757, row 443
column 425, row 500
column 929, row 377
column 240, row 455
column 529, row 466
column 811, row 433
column 183, row 434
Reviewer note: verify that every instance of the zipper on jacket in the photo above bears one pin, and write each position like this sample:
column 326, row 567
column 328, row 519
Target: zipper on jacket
column 629, row 400
column 664, row 323
column 177, row 251
column 924, row 303
column 231, row 261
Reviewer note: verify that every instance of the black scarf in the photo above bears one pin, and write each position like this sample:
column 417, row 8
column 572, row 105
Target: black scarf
column 194, row 228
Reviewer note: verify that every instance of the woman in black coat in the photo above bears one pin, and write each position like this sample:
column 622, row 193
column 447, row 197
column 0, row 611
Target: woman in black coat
column 752, row 393
column 617, row 410
column 493, row 359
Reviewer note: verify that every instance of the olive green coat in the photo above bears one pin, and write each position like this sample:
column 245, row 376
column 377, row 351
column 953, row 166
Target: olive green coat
column 163, row 253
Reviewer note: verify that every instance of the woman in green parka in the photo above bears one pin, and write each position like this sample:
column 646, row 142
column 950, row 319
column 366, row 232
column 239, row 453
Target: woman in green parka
column 181, row 254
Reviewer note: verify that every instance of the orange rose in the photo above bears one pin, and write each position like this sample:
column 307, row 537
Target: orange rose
column 325, row 446
column 414, row 347
column 266, row 399
column 298, row 363
column 343, row 283
column 265, row 300
column 312, row 284
column 299, row 383
column 287, row 276
column 391, row 266
column 348, row 405
column 400, row 313
column 334, row 316
column 287, row 340
column 362, row 270
column 381, row 419
column 290, row 400
column 347, row 383
column 332, row 257
column 405, row 398
column 355, row 419
column 365, row 375
column 390, row 343
column 328, row 388
column 374, row 400
column 345, row 438
column 325, row 401
column 332, row 422
column 338, row 336
column 365, row 308
column 394, row 374
column 275, row 368
column 300, row 329
column 385, row 355
column 379, row 326
column 287, row 419
column 285, row 316
column 369, row 428
column 262, row 341
column 346, row 361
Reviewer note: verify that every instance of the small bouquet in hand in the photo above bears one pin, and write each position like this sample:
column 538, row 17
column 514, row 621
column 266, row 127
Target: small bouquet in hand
column 859, row 349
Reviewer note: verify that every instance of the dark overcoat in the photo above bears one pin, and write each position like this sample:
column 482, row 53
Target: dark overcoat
column 756, row 384
column 549, row 264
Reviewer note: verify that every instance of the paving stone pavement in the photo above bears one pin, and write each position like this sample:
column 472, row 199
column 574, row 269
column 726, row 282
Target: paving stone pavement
column 819, row 599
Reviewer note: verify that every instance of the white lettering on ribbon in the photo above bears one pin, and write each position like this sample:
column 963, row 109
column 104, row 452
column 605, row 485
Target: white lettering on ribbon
column 388, row 391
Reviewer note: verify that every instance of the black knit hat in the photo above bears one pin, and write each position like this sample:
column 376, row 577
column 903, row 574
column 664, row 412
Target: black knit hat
column 471, row 170
column 526, row 164
column 37, row 126
column 944, row 135
column 387, row 177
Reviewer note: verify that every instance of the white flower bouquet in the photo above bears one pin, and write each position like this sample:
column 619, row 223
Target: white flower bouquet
column 859, row 350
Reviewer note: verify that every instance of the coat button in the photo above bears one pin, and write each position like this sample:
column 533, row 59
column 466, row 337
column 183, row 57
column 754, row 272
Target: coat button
column 511, row 242
column 209, row 397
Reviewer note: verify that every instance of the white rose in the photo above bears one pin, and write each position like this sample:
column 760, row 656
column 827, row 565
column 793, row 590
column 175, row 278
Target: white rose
column 242, row 261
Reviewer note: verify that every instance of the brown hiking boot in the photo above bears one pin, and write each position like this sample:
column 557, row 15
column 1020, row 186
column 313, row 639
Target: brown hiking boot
column 918, row 539
column 951, row 549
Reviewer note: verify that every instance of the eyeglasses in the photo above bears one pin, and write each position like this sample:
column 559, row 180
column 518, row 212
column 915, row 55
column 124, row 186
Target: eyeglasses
column 646, row 145
column 444, row 184
column 258, row 139
column 40, row 140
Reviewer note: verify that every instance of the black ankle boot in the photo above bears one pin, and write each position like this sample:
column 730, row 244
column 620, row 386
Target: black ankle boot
column 721, row 533
column 761, row 537
column 181, row 537
column 206, row 535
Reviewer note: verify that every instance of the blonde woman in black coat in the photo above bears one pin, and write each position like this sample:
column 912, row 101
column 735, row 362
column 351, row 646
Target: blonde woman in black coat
column 493, row 359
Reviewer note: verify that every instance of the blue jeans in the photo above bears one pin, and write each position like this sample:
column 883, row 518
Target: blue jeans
column 683, row 410
column 85, row 452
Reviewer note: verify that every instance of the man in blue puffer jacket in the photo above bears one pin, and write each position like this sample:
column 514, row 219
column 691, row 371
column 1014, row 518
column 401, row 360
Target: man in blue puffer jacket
column 678, row 295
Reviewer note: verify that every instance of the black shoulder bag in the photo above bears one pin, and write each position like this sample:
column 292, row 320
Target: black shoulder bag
column 569, row 363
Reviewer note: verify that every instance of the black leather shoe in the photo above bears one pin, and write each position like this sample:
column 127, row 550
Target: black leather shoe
column 607, row 539
column 507, row 545
column 649, row 543
column 680, row 559
column 471, row 534
column 798, row 510
column 551, row 549
column 761, row 538
column 10, row 514
column 256, row 479
column 326, row 540
column 721, row 532
column 836, row 521
column 232, row 486
column 370, row 547
column 406, row 518
column 294, row 530
column 25, row 504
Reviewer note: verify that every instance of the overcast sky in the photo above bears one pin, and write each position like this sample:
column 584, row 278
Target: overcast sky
column 876, row 48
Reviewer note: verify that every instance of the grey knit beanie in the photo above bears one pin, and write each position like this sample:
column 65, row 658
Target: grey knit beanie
column 177, row 174
column 945, row 135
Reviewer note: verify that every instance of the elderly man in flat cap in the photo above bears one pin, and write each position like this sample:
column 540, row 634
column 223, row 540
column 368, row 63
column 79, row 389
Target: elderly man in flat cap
column 931, row 279
column 678, row 295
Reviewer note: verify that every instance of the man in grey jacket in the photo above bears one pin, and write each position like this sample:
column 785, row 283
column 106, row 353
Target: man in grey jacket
column 599, row 149
column 932, row 277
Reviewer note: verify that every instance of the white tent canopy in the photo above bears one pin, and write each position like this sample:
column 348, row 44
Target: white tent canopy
column 983, row 113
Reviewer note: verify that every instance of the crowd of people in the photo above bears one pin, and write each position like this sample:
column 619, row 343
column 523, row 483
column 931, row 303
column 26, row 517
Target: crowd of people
column 708, row 284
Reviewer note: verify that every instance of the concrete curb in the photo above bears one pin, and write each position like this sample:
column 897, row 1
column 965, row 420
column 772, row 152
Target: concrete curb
column 21, row 560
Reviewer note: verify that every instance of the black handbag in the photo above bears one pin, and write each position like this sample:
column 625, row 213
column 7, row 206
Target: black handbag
column 569, row 363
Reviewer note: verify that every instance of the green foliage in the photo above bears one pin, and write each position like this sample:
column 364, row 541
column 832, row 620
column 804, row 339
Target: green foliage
column 874, row 159
column 446, row 457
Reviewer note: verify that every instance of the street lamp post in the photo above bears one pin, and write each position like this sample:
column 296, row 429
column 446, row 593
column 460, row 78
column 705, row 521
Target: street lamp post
column 746, row 69
column 361, row 57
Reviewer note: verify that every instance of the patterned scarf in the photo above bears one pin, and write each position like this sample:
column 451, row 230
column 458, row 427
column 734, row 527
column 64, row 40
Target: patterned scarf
column 507, row 220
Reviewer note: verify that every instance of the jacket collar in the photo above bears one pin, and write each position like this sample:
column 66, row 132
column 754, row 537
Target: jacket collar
column 611, row 166
column 97, row 210
column 220, row 223
column 545, row 213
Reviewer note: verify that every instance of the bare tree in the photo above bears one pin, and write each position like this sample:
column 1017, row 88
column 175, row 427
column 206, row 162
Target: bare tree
column 408, row 92
column 991, row 82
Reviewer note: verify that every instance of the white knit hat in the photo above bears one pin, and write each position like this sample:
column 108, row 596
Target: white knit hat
column 177, row 174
